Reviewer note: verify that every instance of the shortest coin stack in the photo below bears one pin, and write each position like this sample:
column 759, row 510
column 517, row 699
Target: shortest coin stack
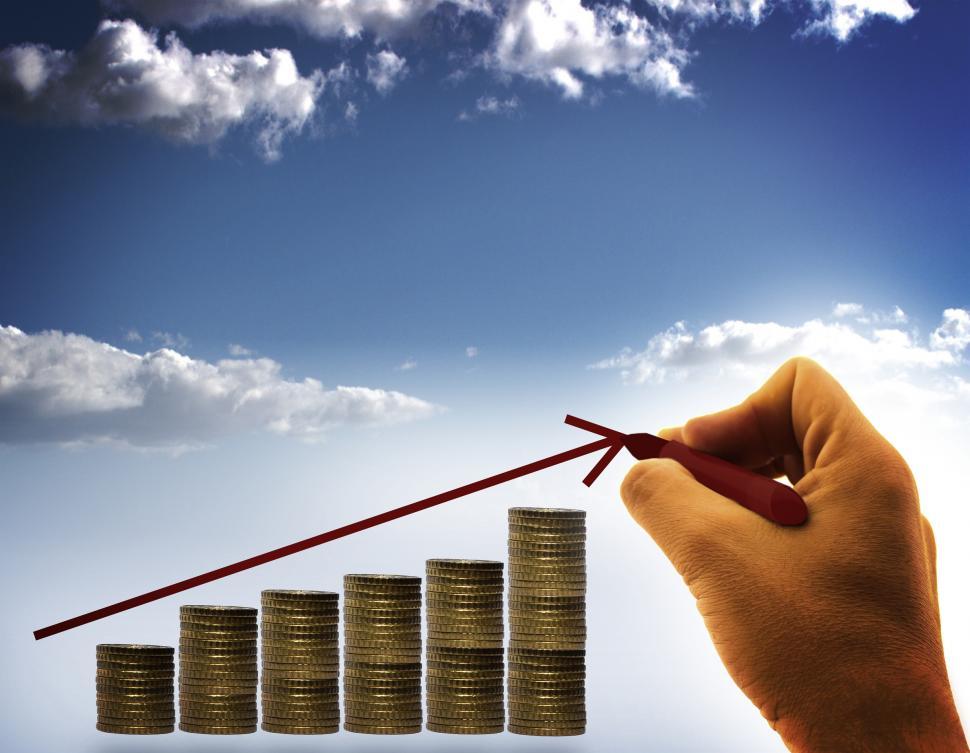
column 382, row 654
column 547, row 691
column 217, row 670
column 301, row 662
column 135, row 689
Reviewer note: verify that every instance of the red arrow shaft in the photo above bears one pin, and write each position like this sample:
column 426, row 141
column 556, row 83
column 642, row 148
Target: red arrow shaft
column 323, row 538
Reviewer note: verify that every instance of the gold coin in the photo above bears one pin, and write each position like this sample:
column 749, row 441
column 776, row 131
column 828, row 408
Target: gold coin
column 489, row 714
column 382, row 578
column 307, row 623
column 556, row 513
column 134, row 729
column 376, row 603
column 202, row 622
column 293, row 594
column 380, row 674
column 443, row 653
column 551, row 716
column 465, row 729
column 487, row 707
column 120, row 721
column 136, row 650
column 229, row 636
column 397, row 656
column 279, row 711
column 216, row 609
column 458, row 674
column 370, row 683
column 153, row 706
column 215, row 729
column 141, row 699
column 295, row 608
column 569, row 534
column 519, row 729
column 301, row 637
column 520, row 654
column 134, row 662
column 376, row 730
column 217, row 645
column 464, row 565
column 296, row 729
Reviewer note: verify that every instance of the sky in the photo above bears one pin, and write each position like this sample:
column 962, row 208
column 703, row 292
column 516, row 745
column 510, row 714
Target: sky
column 270, row 266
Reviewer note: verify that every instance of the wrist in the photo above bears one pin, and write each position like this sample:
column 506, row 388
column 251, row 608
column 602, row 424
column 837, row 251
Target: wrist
column 907, row 713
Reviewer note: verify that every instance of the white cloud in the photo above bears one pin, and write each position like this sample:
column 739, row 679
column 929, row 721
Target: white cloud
column 490, row 105
column 68, row 388
column 847, row 309
column 239, row 351
column 321, row 18
column 133, row 336
column 351, row 111
column 407, row 365
column 953, row 333
column 385, row 70
column 171, row 340
column 843, row 18
column 471, row 351
column 741, row 347
column 125, row 75
column 563, row 42
column 858, row 312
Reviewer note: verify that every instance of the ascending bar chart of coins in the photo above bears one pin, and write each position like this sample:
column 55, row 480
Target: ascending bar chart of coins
column 420, row 652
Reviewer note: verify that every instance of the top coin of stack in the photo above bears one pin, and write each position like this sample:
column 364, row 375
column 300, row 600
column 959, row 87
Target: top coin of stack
column 217, row 670
column 135, row 689
column 301, row 662
column 465, row 656
column 547, row 578
column 382, row 654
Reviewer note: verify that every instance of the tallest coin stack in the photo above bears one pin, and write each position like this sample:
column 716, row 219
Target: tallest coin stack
column 547, row 621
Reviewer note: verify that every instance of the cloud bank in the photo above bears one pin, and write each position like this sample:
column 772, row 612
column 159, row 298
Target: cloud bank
column 127, row 75
column 741, row 347
column 67, row 388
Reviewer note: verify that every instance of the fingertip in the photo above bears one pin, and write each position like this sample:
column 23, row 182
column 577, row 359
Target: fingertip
column 671, row 433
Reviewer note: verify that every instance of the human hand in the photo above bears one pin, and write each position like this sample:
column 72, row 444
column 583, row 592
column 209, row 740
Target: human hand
column 832, row 629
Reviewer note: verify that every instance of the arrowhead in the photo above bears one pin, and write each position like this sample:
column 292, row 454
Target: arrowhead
column 603, row 462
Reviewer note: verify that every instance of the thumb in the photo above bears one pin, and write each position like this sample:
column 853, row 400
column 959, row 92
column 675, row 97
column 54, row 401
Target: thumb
column 689, row 522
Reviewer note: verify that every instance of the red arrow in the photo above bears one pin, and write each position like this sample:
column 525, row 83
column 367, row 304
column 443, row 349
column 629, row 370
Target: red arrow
column 611, row 439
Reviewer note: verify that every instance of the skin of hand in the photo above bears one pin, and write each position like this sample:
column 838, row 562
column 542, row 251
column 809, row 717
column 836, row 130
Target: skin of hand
column 832, row 628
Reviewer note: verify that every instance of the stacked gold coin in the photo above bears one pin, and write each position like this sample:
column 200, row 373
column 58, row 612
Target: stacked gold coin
column 135, row 689
column 217, row 670
column 547, row 691
column 547, row 621
column 382, row 654
column 466, row 667
column 301, row 662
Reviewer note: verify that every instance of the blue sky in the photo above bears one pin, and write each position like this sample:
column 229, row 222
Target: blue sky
column 779, row 174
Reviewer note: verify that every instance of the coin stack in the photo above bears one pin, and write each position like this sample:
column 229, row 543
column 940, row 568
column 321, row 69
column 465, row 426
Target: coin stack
column 547, row 620
column 301, row 662
column 382, row 654
column 217, row 670
column 135, row 689
column 466, row 667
